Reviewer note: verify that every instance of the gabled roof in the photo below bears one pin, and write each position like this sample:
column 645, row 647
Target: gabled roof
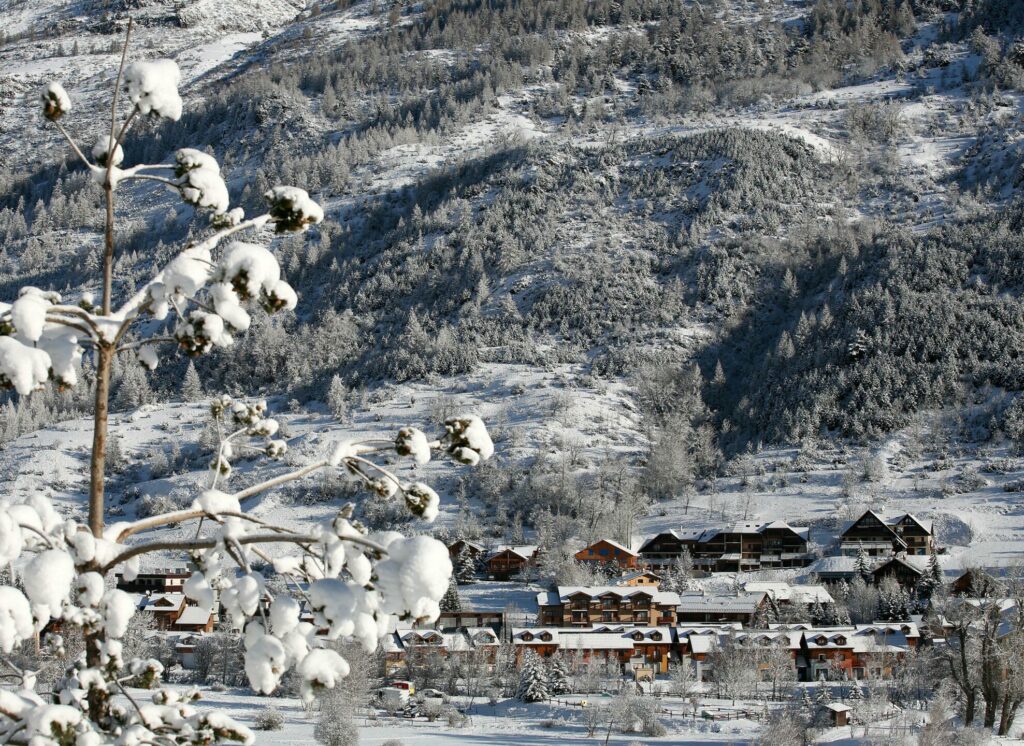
column 700, row 603
column 897, row 519
column 525, row 551
column 896, row 560
column 162, row 602
column 630, row 576
column 798, row 594
column 563, row 593
column 194, row 615
column 878, row 517
column 611, row 543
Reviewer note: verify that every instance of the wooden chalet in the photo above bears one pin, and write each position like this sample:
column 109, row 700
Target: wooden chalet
column 589, row 606
column 639, row 577
column 629, row 647
column 476, row 551
column 608, row 552
column 878, row 535
column 506, row 562
column 700, row 607
column 731, row 548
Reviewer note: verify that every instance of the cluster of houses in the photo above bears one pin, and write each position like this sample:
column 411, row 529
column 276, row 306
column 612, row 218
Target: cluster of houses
column 160, row 595
column 899, row 545
column 854, row 652
column 631, row 621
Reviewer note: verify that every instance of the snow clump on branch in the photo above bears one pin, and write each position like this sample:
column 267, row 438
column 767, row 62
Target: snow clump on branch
column 56, row 101
column 153, row 88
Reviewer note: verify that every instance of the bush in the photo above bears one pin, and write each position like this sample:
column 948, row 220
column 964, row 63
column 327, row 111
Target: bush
column 335, row 726
column 269, row 719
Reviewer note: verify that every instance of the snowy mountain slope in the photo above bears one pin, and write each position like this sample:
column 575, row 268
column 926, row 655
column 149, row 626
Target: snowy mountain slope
column 519, row 221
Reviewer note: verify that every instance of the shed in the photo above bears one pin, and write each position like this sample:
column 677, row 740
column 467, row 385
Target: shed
column 839, row 714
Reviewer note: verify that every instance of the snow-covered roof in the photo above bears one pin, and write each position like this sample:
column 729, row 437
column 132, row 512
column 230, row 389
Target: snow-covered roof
column 631, row 576
column 784, row 592
column 194, row 615
column 611, row 543
column 162, row 602
column 702, row 604
column 526, row 551
column 834, row 564
column 603, row 637
column 838, row 707
column 564, row 593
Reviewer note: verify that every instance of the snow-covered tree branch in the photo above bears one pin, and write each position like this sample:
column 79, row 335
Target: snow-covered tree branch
column 357, row 584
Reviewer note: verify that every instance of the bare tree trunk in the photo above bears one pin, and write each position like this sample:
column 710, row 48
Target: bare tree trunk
column 99, row 699
column 970, row 704
column 97, row 464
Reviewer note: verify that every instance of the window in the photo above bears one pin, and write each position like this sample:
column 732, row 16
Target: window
column 527, row 636
column 603, row 552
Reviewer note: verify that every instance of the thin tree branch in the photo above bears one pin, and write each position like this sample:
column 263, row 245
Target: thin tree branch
column 283, row 479
column 113, row 110
column 74, row 145
column 188, row 546
column 149, row 177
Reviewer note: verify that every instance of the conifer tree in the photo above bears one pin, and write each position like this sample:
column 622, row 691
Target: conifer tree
column 465, row 566
column 191, row 385
column 533, row 680
column 451, row 601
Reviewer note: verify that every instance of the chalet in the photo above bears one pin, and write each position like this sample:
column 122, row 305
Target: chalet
column 639, row 577
column 901, row 567
column 878, row 535
column 666, row 547
column 450, row 621
column 708, row 608
column 786, row 594
column 589, row 606
column 507, row 561
column 852, row 651
column 474, row 550
column 608, row 552
column 155, row 581
column 835, row 568
column 163, row 608
column 731, row 548
column 857, row 652
column 695, row 643
column 398, row 646
column 629, row 647
column 195, row 619
column 978, row 582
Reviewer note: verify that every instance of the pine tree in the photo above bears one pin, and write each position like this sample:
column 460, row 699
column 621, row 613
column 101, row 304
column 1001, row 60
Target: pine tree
column 465, row 566
column 533, row 680
column 191, row 385
column 337, row 399
column 863, row 564
column 450, row 601
column 824, row 695
column 133, row 390
column 558, row 676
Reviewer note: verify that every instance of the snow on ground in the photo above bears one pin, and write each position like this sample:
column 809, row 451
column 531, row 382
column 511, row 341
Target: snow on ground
column 981, row 525
column 508, row 723
column 524, row 408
